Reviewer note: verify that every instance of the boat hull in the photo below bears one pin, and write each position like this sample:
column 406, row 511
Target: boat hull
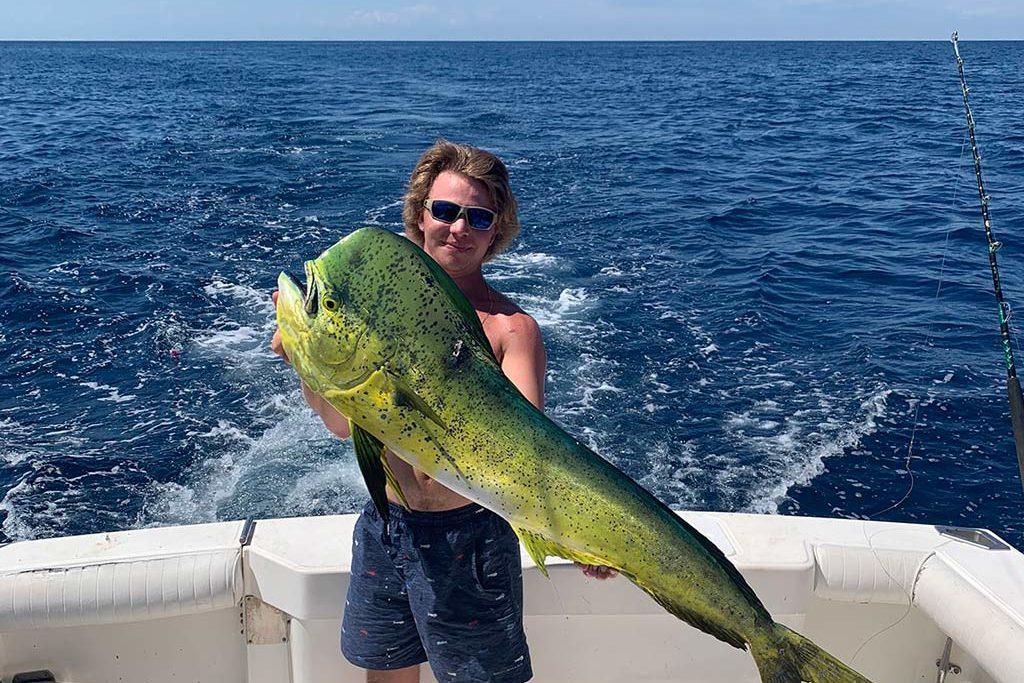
column 208, row 602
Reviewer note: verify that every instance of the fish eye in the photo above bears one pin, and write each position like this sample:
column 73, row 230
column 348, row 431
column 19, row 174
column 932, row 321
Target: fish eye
column 330, row 304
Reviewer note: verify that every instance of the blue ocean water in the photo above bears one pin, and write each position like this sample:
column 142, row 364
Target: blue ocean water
column 758, row 267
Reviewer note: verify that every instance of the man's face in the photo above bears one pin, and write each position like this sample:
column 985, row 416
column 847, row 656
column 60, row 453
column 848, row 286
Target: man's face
column 456, row 247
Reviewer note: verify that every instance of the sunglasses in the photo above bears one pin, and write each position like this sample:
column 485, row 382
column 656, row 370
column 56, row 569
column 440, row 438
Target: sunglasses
column 477, row 217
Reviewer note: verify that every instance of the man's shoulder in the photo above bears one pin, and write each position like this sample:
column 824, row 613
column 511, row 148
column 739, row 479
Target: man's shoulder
column 510, row 327
column 515, row 320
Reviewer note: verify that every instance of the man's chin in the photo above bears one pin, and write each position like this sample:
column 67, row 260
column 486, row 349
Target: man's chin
column 457, row 259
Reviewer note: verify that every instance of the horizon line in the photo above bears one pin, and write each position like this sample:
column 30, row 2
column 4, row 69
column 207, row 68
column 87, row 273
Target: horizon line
column 504, row 40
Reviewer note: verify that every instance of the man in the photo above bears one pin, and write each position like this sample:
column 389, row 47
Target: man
column 442, row 581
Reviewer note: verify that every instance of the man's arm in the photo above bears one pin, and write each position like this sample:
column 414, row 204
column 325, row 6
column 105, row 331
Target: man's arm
column 332, row 419
column 525, row 364
column 524, row 361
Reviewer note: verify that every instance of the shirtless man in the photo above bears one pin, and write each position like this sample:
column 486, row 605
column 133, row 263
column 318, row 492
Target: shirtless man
column 442, row 581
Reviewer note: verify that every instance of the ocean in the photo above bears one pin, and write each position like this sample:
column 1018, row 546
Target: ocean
column 759, row 268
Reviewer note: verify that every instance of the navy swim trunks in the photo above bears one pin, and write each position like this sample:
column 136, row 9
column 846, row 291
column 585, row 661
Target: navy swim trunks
column 444, row 587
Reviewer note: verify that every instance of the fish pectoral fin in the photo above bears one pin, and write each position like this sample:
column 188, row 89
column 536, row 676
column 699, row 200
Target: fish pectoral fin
column 406, row 397
column 540, row 548
column 376, row 472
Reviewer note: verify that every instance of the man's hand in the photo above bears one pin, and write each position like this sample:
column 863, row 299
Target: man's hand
column 275, row 342
column 596, row 571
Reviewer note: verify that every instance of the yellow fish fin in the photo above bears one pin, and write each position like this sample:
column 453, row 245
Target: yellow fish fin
column 406, row 397
column 540, row 548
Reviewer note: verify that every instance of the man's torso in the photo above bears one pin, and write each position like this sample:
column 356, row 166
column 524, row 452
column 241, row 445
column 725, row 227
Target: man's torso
column 422, row 492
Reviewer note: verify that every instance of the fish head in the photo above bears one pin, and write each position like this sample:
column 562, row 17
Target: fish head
column 321, row 329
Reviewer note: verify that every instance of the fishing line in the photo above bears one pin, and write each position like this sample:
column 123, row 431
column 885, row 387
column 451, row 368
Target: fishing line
column 908, row 463
column 928, row 342
column 1016, row 400
column 906, row 593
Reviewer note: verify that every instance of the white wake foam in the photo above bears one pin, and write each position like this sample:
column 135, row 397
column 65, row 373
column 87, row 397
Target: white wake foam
column 282, row 462
column 796, row 446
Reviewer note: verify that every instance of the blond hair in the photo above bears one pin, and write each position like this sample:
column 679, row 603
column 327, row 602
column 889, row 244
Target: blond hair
column 475, row 164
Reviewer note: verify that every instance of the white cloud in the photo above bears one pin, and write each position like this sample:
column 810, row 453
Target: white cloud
column 401, row 16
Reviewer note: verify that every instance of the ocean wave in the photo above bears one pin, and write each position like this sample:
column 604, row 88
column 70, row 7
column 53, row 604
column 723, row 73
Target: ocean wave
column 558, row 315
column 285, row 470
column 375, row 216
column 113, row 393
column 722, row 319
column 524, row 267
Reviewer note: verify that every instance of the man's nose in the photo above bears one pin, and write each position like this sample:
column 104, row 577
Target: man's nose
column 460, row 225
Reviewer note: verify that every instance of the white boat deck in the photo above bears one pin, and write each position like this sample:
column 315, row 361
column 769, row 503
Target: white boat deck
column 195, row 604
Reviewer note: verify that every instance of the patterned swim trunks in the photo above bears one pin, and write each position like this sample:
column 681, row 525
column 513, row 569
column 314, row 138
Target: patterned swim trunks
column 444, row 587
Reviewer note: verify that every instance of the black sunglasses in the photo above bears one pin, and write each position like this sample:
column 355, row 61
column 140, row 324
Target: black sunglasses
column 445, row 211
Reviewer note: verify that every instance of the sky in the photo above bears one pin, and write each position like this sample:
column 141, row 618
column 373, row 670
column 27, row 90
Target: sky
column 510, row 20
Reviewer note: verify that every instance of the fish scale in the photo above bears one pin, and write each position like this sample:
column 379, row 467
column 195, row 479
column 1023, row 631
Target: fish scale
column 380, row 347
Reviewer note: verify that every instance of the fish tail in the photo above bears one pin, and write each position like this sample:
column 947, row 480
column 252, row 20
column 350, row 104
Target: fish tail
column 791, row 658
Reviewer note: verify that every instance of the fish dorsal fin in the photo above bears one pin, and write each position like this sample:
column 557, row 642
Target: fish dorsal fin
column 719, row 557
column 376, row 472
column 541, row 548
column 459, row 300
column 695, row 618
column 535, row 546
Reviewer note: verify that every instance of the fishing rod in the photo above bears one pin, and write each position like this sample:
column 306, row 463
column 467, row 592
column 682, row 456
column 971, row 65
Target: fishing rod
column 1012, row 383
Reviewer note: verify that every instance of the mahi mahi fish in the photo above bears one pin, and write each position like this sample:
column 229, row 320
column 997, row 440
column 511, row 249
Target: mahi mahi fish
column 386, row 337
